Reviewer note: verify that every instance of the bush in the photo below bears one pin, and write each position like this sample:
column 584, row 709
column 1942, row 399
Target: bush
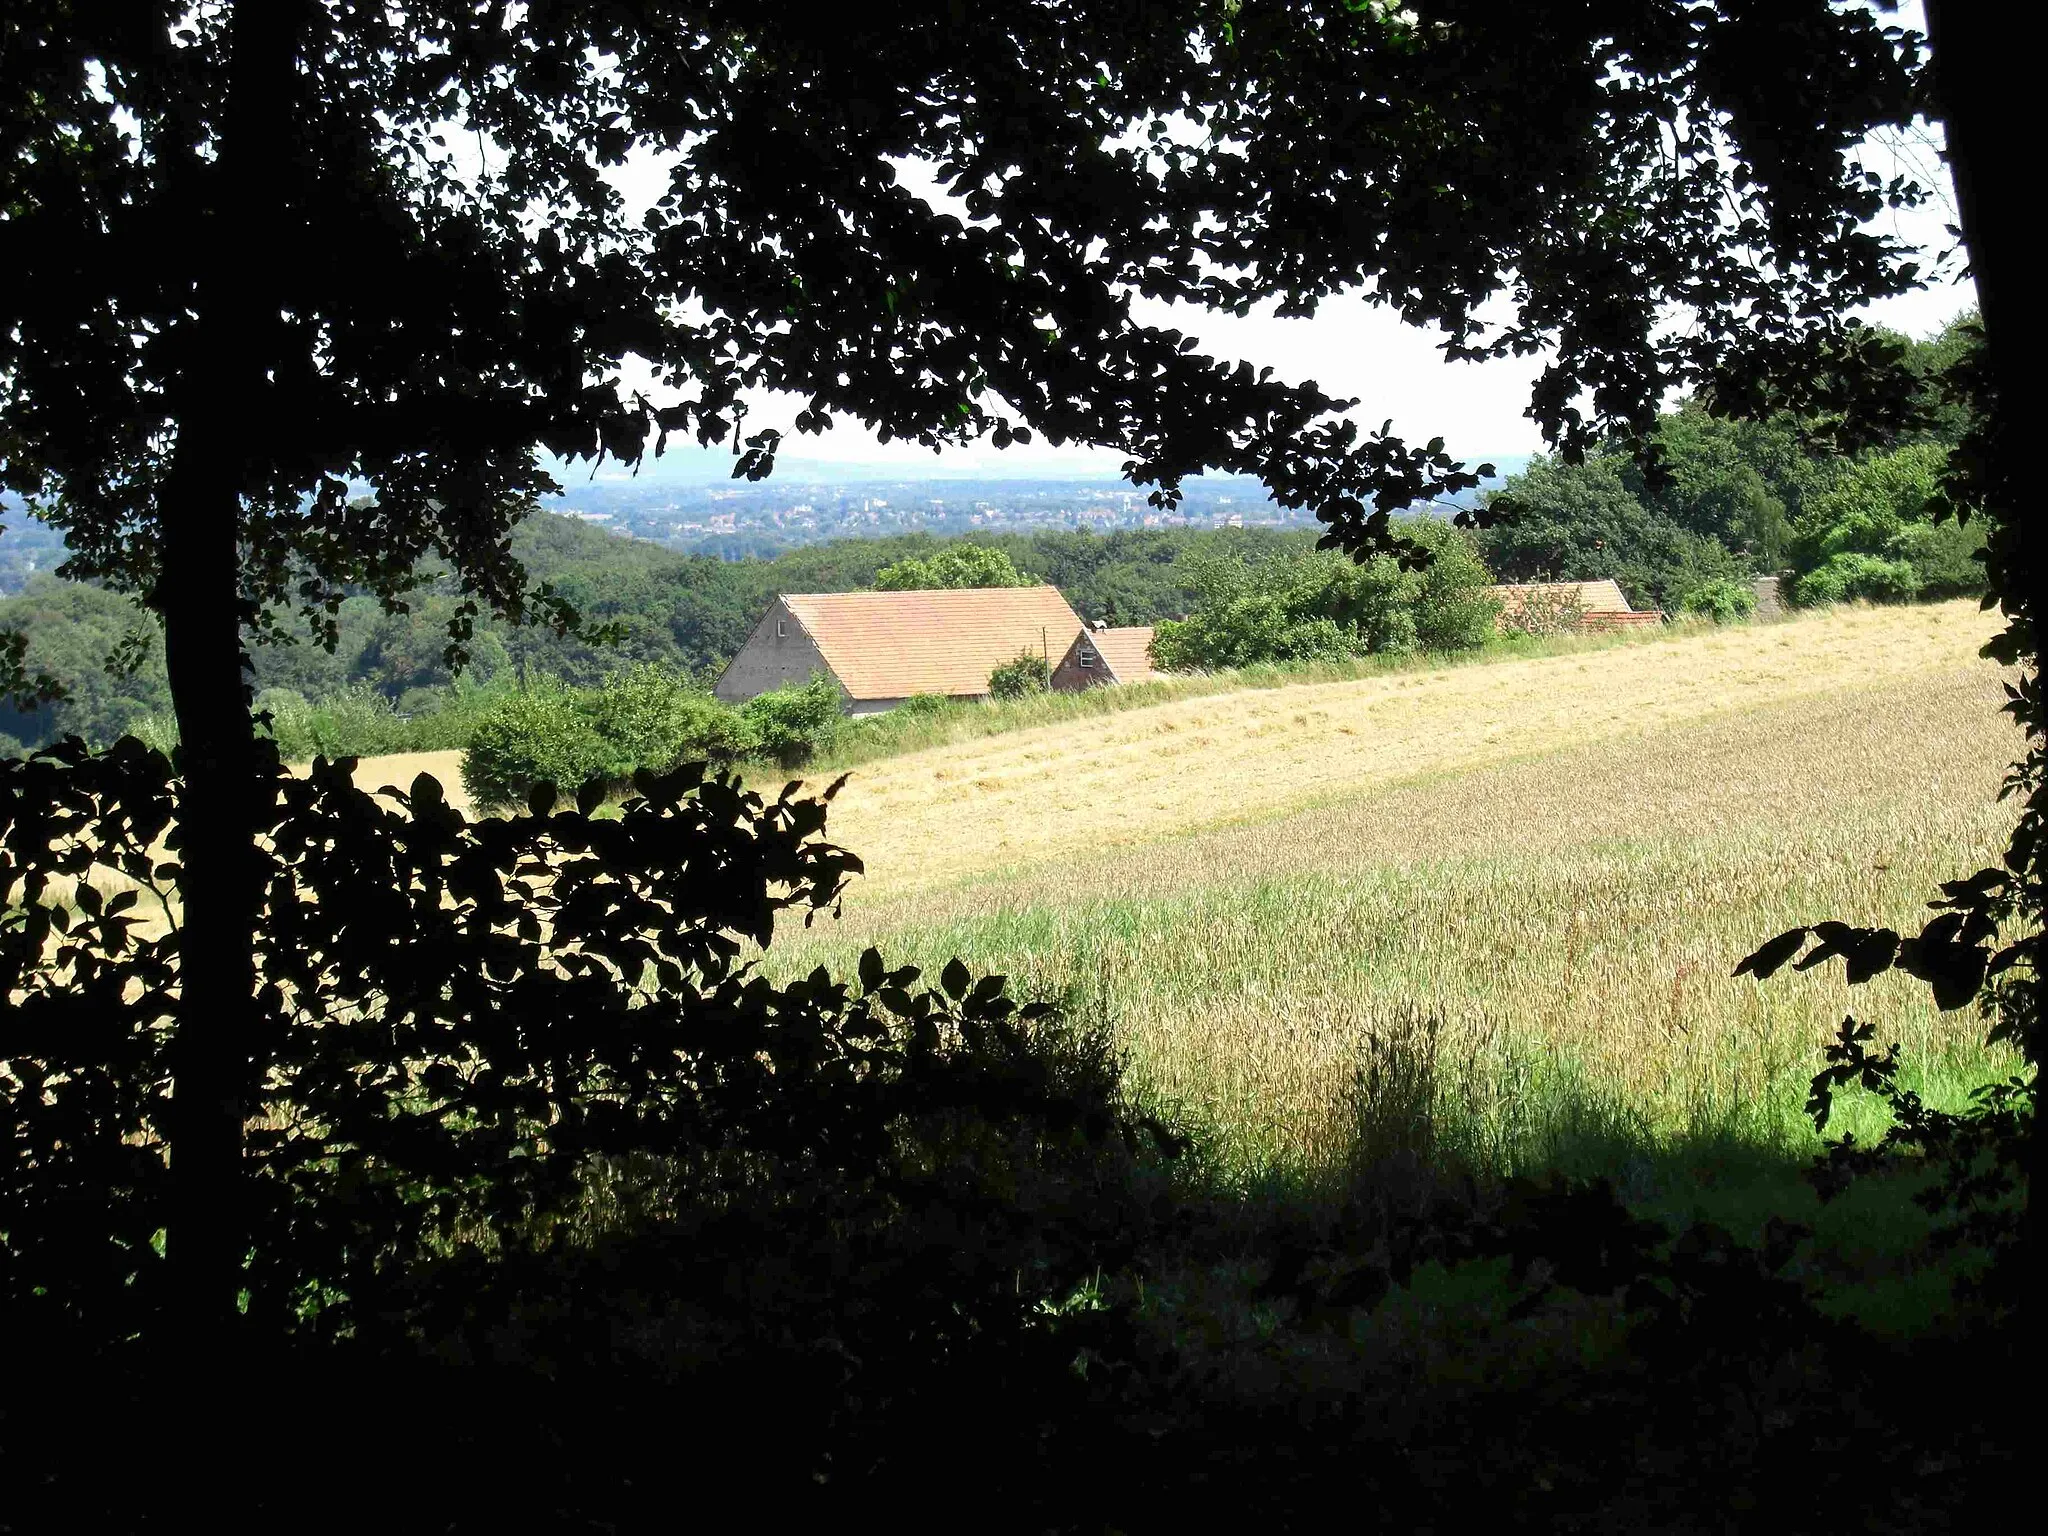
column 795, row 723
column 361, row 722
column 924, row 705
column 529, row 1030
column 1021, row 678
column 651, row 716
column 1846, row 577
column 1722, row 600
column 529, row 739
column 1946, row 556
column 1877, row 517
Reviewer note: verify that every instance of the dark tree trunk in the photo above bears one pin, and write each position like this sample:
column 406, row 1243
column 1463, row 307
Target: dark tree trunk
column 218, row 883
column 222, row 431
column 1982, row 81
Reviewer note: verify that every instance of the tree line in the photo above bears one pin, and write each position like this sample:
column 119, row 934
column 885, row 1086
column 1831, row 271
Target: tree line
column 1722, row 499
column 689, row 613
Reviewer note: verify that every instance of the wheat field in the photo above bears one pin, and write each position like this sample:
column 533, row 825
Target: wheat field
column 1537, row 873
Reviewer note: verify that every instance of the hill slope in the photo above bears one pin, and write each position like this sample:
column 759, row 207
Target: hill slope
column 1518, row 889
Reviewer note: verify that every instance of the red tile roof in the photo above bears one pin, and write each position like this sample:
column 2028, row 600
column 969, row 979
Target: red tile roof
column 889, row 645
column 1126, row 652
column 1592, row 596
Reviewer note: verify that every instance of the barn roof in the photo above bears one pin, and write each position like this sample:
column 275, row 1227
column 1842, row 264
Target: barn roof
column 1126, row 652
column 889, row 645
column 1593, row 596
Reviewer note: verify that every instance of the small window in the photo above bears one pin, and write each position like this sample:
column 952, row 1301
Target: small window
column 1087, row 657
column 782, row 629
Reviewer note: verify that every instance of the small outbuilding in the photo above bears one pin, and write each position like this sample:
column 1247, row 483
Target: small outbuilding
column 1100, row 656
column 1600, row 604
column 883, row 647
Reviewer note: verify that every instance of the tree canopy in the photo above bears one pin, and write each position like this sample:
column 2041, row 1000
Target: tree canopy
column 952, row 565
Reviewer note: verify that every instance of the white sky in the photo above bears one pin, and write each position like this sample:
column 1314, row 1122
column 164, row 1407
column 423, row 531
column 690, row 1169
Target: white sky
column 1350, row 349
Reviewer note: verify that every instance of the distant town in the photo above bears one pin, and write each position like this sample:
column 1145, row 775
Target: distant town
column 739, row 520
column 736, row 520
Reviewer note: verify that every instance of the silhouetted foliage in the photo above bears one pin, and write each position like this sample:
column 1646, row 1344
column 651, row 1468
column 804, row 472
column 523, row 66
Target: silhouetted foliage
column 469, row 1030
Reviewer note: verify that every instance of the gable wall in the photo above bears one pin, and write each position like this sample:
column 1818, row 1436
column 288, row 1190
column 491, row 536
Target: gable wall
column 768, row 661
column 1071, row 677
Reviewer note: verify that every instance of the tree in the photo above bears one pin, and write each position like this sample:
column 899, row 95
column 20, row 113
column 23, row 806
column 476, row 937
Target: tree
column 1303, row 605
column 74, row 632
column 1725, row 480
column 1577, row 522
column 1582, row 522
column 382, row 249
column 1872, row 533
column 952, row 565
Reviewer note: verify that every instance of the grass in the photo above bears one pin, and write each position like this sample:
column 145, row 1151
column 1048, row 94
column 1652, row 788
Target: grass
column 1524, row 885
column 1552, row 861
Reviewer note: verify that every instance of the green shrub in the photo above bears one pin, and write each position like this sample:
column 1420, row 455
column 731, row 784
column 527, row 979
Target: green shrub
column 1723, row 600
column 537, row 737
column 1021, row 678
column 1878, row 516
column 1946, row 556
column 361, row 722
column 794, row 723
column 652, row 716
column 355, row 722
column 1845, row 577
column 924, row 705
column 417, row 702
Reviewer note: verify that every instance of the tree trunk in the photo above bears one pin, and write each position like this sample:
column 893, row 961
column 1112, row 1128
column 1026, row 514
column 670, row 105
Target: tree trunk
column 1982, row 78
column 222, row 431
column 218, row 883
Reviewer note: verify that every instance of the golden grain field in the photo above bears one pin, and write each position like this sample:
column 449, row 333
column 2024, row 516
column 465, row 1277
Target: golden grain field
column 1558, row 859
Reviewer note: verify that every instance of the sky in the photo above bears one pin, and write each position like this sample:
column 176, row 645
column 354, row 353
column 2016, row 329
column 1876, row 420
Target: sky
column 1349, row 348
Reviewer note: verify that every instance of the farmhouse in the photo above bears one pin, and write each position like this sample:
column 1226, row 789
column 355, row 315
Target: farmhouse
column 1100, row 656
column 1601, row 604
column 882, row 647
